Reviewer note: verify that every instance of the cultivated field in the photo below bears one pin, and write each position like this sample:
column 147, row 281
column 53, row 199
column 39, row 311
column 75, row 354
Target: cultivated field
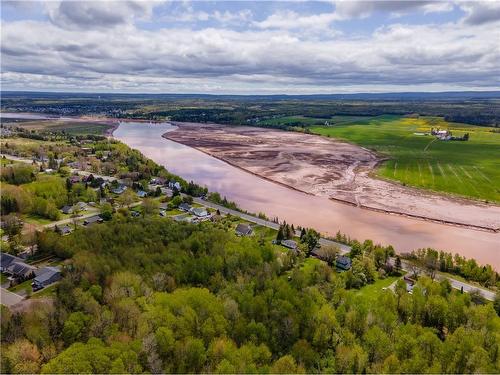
column 74, row 126
column 468, row 169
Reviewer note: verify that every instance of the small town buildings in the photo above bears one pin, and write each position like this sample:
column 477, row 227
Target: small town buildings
column 243, row 230
column 93, row 219
column 68, row 210
column 45, row 277
column 343, row 262
column 291, row 244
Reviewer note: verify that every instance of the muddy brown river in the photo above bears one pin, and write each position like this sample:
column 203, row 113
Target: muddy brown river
column 258, row 195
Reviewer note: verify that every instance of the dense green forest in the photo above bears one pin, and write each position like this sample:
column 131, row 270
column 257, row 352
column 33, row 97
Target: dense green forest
column 153, row 295
column 469, row 108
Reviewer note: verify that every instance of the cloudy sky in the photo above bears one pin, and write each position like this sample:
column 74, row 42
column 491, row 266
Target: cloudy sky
column 250, row 47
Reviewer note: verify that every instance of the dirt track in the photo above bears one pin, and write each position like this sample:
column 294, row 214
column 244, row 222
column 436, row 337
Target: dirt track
column 326, row 167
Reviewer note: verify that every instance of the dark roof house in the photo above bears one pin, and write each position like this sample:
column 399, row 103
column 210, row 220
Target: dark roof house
column 243, row 230
column 92, row 220
column 21, row 270
column 291, row 244
column 64, row 230
column 184, row 207
column 67, row 210
column 343, row 262
column 6, row 260
column 47, row 276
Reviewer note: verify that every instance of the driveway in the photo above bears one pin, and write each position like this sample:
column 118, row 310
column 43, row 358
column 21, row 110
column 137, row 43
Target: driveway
column 8, row 298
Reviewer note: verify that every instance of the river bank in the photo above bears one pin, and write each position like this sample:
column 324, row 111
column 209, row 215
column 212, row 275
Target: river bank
column 325, row 167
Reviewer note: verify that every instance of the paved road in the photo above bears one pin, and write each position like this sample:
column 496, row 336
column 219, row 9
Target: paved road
column 265, row 223
column 8, row 298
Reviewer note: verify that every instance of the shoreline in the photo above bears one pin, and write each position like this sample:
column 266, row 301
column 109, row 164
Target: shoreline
column 347, row 202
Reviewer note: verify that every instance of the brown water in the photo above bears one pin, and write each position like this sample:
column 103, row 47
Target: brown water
column 258, row 195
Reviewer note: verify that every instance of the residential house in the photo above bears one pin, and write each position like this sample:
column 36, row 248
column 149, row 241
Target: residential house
column 243, row 230
column 119, row 190
column 82, row 206
column 142, row 194
column 68, row 210
column 199, row 212
column 158, row 181
column 343, row 262
column 45, row 277
column 291, row 244
column 65, row 230
column 410, row 283
column 6, row 260
column 93, row 219
column 174, row 185
column 21, row 270
column 185, row 207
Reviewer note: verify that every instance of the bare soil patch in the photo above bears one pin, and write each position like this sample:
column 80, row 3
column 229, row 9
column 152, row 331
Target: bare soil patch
column 327, row 167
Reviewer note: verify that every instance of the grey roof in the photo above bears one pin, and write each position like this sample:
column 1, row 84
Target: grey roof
column 92, row 219
column 199, row 211
column 184, row 206
column 142, row 193
column 65, row 229
column 343, row 262
column 243, row 229
column 289, row 243
column 7, row 259
column 20, row 268
column 67, row 209
column 46, row 274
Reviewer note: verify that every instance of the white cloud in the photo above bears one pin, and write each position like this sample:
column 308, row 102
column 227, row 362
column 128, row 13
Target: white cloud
column 275, row 55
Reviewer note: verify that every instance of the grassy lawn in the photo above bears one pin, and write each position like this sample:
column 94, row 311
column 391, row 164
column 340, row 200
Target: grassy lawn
column 464, row 168
column 174, row 212
column 371, row 293
column 48, row 291
column 3, row 278
column 26, row 285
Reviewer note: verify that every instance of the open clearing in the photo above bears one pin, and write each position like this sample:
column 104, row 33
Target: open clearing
column 335, row 169
column 468, row 169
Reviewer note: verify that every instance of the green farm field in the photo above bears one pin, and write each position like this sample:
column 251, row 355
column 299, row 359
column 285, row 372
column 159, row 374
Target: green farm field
column 470, row 169
column 310, row 121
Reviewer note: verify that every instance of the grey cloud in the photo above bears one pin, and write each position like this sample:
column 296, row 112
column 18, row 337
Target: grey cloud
column 478, row 13
column 97, row 14
column 353, row 9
